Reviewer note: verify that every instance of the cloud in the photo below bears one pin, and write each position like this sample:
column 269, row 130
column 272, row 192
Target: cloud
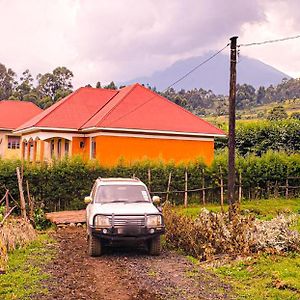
column 122, row 39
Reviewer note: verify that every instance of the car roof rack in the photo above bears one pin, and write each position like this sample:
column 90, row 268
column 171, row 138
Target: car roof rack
column 118, row 178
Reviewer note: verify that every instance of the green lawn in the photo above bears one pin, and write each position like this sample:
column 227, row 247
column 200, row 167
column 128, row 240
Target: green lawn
column 24, row 273
column 264, row 277
column 264, row 209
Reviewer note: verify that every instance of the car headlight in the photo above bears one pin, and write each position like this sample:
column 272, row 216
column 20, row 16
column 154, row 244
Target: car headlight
column 154, row 221
column 102, row 221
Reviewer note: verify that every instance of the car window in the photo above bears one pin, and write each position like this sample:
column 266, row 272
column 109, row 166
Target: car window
column 122, row 193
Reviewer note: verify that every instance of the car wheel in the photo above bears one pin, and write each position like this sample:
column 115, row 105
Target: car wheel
column 154, row 246
column 95, row 247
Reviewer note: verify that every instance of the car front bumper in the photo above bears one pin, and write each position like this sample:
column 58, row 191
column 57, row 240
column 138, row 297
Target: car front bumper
column 127, row 233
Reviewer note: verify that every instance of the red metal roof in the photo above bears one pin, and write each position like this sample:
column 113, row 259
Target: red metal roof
column 13, row 113
column 72, row 111
column 133, row 107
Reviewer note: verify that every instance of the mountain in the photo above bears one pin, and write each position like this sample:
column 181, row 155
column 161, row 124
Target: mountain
column 214, row 75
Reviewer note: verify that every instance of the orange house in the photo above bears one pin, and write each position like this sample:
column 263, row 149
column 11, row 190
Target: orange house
column 132, row 123
column 13, row 113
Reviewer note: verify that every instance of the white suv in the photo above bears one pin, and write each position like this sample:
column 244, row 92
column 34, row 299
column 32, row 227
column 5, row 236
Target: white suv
column 121, row 209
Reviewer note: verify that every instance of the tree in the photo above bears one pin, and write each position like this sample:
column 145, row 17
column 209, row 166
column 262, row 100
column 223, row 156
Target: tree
column 54, row 86
column 261, row 94
column 277, row 113
column 111, row 86
column 98, row 85
column 24, row 88
column 7, row 82
column 245, row 95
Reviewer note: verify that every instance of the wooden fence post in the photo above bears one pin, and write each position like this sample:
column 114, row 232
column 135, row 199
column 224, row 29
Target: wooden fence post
column 222, row 190
column 30, row 202
column 149, row 179
column 22, row 198
column 169, row 185
column 203, row 188
column 185, row 189
column 240, row 187
column 6, row 202
column 287, row 188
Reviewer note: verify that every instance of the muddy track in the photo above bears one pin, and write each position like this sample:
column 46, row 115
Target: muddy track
column 125, row 274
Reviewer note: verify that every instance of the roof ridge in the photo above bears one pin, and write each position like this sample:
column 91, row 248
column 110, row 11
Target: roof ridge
column 133, row 86
column 101, row 107
column 185, row 110
column 63, row 100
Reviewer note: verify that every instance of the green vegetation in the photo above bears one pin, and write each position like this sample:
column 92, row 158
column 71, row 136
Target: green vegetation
column 64, row 184
column 263, row 209
column 260, row 136
column 24, row 275
column 264, row 277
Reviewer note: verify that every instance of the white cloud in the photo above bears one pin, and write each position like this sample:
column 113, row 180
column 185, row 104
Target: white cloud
column 122, row 39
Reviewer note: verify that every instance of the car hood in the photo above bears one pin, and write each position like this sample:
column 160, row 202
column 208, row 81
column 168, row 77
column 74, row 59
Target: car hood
column 125, row 208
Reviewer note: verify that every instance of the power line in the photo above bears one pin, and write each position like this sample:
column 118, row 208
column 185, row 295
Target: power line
column 270, row 41
column 178, row 80
column 195, row 68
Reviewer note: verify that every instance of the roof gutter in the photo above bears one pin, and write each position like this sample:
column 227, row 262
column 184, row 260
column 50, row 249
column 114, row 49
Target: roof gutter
column 31, row 129
column 90, row 129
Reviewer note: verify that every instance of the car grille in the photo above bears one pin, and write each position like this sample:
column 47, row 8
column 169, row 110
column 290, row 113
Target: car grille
column 122, row 221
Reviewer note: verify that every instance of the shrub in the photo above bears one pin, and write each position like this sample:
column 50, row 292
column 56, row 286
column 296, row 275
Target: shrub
column 212, row 234
column 14, row 233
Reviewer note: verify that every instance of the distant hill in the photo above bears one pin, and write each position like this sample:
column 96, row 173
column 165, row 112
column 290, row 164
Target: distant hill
column 214, row 75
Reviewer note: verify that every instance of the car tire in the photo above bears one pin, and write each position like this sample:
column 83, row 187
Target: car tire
column 95, row 247
column 154, row 246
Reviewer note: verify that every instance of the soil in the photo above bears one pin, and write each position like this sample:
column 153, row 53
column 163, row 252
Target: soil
column 125, row 273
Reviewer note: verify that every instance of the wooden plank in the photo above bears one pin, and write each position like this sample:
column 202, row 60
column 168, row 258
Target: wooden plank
column 67, row 217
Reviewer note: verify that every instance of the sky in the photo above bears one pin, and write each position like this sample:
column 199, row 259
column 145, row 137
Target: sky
column 105, row 40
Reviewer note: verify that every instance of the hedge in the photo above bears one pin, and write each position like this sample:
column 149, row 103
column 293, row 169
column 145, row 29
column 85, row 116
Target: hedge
column 63, row 184
column 261, row 136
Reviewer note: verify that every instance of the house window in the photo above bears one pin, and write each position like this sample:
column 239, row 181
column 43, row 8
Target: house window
column 67, row 148
column 93, row 148
column 13, row 142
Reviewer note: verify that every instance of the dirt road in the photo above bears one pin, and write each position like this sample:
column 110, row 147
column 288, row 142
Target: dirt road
column 125, row 274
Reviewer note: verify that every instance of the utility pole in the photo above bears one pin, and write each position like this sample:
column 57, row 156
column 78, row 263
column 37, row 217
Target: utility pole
column 231, row 140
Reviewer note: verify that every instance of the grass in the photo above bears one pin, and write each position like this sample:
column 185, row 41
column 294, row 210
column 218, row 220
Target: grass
column 263, row 209
column 264, row 277
column 24, row 275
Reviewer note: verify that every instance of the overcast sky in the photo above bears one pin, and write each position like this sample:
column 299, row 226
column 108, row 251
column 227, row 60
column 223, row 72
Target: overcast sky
column 106, row 40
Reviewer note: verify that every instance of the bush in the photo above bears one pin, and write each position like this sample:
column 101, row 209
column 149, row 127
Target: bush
column 212, row 233
column 14, row 234
column 261, row 136
column 63, row 185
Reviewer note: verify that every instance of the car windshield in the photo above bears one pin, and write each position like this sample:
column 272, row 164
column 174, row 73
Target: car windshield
column 122, row 193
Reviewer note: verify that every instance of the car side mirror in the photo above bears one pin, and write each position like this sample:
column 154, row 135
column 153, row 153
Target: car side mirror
column 87, row 200
column 156, row 200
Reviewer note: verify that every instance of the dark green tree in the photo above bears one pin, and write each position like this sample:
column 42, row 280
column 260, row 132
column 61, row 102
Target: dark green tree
column 7, row 82
column 54, row 86
column 24, row 89
column 277, row 113
column 111, row 86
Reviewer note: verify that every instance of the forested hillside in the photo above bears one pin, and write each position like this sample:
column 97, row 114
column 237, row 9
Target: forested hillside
column 48, row 88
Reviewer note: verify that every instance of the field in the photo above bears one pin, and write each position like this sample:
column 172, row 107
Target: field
column 257, row 112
